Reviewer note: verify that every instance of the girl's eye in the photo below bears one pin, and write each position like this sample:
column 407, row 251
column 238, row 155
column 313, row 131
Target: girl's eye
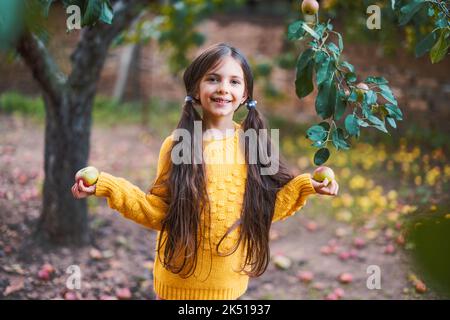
column 212, row 79
column 235, row 82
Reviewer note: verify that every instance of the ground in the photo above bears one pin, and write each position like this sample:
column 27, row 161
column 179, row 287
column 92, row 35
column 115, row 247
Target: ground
column 119, row 259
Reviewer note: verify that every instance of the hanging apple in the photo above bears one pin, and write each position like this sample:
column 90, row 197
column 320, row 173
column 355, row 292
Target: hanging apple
column 361, row 89
column 310, row 7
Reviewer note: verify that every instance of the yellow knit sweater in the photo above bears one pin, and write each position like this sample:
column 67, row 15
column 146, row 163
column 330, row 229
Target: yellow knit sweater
column 215, row 277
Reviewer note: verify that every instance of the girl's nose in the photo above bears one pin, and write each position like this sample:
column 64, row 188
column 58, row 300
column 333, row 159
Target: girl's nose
column 222, row 88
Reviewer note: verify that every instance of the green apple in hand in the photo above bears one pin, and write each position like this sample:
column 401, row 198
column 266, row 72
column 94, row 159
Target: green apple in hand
column 89, row 175
column 322, row 173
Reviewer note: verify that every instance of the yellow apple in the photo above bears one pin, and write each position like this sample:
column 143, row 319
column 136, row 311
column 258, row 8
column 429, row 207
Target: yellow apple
column 89, row 175
column 323, row 172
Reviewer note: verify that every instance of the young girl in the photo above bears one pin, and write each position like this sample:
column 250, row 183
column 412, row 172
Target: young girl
column 213, row 219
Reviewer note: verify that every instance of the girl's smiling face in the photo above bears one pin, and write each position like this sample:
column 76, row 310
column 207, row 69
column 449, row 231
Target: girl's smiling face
column 222, row 89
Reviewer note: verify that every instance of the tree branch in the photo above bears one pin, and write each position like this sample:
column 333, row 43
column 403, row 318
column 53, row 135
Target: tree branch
column 91, row 52
column 43, row 67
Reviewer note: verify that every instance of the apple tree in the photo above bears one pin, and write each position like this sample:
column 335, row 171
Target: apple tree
column 69, row 97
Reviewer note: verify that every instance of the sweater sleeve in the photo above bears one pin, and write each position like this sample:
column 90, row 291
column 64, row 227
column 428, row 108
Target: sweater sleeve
column 147, row 209
column 292, row 197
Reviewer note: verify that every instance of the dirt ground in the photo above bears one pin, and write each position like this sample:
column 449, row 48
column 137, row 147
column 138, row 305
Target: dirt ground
column 118, row 262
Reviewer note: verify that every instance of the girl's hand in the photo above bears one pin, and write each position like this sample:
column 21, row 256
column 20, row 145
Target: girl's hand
column 79, row 190
column 325, row 188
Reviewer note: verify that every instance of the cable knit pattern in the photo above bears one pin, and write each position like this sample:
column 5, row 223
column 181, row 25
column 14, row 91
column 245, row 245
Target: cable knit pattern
column 215, row 277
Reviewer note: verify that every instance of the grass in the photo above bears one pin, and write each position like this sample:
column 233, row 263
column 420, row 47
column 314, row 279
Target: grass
column 162, row 115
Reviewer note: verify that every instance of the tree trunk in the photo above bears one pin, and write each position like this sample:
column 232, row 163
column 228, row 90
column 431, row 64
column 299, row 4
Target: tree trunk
column 68, row 104
column 63, row 219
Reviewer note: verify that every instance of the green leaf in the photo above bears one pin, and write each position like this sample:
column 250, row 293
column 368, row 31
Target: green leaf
column 320, row 28
column 370, row 97
column 107, row 14
column 394, row 111
column 340, row 42
column 425, row 44
column 92, row 12
column 304, row 59
column 339, row 139
column 320, row 57
column 409, row 10
column 316, row 133
column 440, row 48
column 366, row 110
column 353, row 96
column 321, row 156
column 295, row 30
column 310, row 31
column 374, row 120
column 333, row 48
column 377, row 123
column 11, row 23
column 351, row 125
column 381, row 127
column 387, row 94
column 350, row 77
column 326, row 98
column 443, row 22
column 347, row 65
column 376, row 80
column 340, row 105
column 325, row 70
column 303, row 81
column 325, row 125
column 362, row 123
column 391, row 122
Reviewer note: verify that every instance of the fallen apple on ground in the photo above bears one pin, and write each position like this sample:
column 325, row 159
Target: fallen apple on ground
column 345, row 277
column 282, row 262
column 89, row 175
column 420, row 287
column 123, row 294
column 45, row 272
column 305, row 276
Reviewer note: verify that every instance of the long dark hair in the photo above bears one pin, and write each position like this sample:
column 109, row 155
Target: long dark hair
column 181, row 227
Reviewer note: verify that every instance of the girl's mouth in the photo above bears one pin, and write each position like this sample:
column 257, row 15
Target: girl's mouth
column 220, row 101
